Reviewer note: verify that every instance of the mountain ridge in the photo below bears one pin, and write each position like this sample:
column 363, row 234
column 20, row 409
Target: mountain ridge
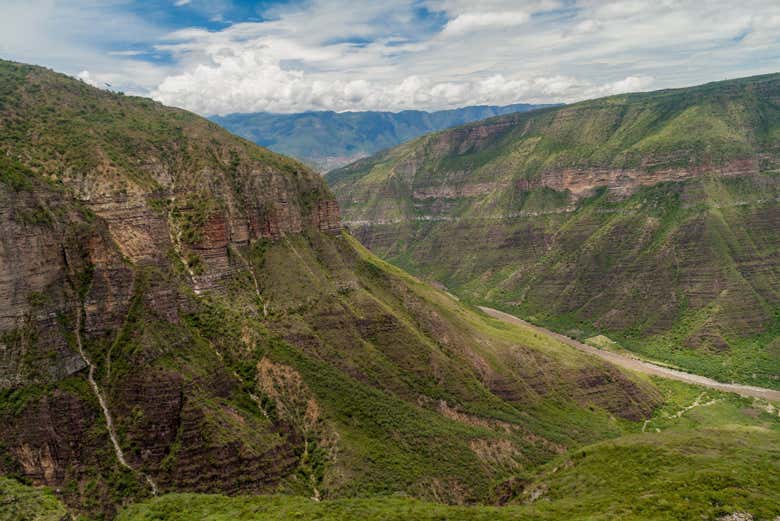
column 561, row 214
column 328, row 139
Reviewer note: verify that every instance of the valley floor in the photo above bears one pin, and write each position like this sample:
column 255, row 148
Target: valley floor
column 641, row 365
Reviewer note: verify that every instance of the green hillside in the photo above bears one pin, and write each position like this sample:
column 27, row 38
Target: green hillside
column 180, row 312
column 19, row 502
column 704, row 455
column 650, row 218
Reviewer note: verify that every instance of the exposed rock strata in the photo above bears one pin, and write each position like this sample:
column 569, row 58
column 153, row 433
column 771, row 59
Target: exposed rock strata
column 624, row 182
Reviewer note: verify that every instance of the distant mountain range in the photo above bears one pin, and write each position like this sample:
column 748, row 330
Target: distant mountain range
column 328, row 140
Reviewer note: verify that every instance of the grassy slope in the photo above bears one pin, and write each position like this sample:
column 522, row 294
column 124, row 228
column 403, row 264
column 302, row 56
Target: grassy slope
column 24, row 503
column 698, row 452
column 703, row 455
column 384, row 400
column 62, row 139
column 699, row 253
column 337, row 375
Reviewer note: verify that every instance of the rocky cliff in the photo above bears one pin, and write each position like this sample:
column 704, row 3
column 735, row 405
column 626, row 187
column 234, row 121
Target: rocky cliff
column 180, row 311
column 650, row 217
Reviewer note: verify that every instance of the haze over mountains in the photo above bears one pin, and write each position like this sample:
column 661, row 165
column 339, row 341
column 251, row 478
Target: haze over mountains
column 651, row 218
column 327, row 140
column 187, row 332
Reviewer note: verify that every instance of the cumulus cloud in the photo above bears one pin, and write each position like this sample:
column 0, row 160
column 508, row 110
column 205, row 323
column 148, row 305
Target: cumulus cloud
column 469, row 22
column 628, row 84
column 426, row 54
column 255, row 83
column 508, row 51
column 86, row 77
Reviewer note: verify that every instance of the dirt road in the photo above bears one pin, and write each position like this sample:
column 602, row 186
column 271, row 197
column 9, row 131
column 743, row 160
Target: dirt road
column 640, row 365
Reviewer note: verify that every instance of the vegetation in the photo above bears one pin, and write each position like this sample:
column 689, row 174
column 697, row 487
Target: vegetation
column 186, row 507
column 235, row 348
column 569, row 216
column 703, row 455
column 389, row 443
column 20, row 502
column 81, row 131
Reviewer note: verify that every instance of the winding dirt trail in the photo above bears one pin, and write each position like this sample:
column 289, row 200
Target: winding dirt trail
column 120, row 456
column 640, row 365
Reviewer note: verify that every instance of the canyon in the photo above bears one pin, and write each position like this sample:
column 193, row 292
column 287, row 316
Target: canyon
column 182, row 312
column 187, row 330
column 326, row 140
column 568, row 215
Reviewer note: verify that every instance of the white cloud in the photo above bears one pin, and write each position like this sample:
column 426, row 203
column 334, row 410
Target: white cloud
column 346, row 55
column 469, row 22
column 125, row 53
column 508, row 51
column 630, row 84
column 86, row 77
column 73, row 36
column 255, row 83
column 179, row 3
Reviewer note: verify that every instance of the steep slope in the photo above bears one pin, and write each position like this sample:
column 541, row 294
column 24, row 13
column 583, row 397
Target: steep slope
column 704, row 455
column 652, row 218
column 179, row 311
column 328, row 140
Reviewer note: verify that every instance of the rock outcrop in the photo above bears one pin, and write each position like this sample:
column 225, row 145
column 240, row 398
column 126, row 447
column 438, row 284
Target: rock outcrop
column 94, row 246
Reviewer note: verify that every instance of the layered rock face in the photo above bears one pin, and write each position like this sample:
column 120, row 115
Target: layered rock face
column 112, row 234
column 63, row 224
column 649, row 217
column 180, row 312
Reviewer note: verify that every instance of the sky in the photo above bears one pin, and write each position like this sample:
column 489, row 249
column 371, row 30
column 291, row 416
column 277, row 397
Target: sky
column 225, row 56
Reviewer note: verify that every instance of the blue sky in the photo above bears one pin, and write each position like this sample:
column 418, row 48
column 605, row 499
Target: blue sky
column 221, row 56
